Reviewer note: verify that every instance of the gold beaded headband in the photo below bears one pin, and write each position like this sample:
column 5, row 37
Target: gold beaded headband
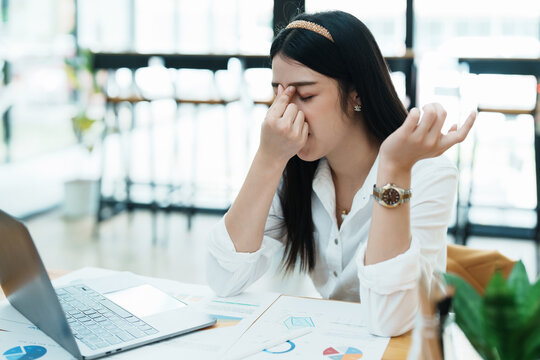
column 308, row 25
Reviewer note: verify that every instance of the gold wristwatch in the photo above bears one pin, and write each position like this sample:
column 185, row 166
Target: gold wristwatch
column 390, row 195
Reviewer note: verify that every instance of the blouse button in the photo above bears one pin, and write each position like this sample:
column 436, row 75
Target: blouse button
column 336, row 241
column 335, row 273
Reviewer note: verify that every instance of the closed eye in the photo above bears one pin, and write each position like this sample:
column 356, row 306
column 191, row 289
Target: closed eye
column 306, row 98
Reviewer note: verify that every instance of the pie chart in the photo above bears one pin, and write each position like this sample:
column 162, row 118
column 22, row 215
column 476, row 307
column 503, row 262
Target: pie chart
column 25, row 353
column 342, row 353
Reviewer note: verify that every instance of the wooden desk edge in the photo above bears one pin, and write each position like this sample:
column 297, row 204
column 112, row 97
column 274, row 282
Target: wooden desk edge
column 398, row 347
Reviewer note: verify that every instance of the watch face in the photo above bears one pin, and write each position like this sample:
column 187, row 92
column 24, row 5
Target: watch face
column 391, row 196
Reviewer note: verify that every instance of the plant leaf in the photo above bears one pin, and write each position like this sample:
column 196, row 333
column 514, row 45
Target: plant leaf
column 467, row 305
column 531, row 342
column 82, row 122
column 501, row 318
column 518, row 281
column 531, row 329
column 531, row 301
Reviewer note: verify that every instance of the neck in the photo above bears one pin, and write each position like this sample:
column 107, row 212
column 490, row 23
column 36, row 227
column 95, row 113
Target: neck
column 350, row 164
column 353, row 159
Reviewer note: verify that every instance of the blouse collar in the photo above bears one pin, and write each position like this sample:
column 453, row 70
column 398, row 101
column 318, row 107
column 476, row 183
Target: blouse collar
column 323, row 187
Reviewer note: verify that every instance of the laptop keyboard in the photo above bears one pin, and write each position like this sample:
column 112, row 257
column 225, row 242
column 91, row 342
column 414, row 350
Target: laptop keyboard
column 97, row 321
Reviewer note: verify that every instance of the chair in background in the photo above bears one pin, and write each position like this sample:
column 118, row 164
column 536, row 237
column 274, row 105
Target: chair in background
column 168, row 181
column 121, row 95
column 205, row 89
column 476, row 266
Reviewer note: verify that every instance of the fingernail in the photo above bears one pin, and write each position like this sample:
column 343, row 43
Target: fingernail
column 289, row 90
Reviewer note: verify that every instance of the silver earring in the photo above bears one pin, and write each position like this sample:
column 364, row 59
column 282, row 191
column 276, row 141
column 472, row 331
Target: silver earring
column 357, row 108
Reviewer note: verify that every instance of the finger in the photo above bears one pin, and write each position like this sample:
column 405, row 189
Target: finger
column 453, row 128
column 299, row 121
column 427, row 120
column 411, row 120
column 305, row 131
column 290, row 114
column 460, row 134
column 441, row 118
column 280, row 103
column 435, row 131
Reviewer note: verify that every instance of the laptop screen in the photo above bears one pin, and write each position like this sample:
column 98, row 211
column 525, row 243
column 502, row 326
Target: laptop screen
column 27, row 286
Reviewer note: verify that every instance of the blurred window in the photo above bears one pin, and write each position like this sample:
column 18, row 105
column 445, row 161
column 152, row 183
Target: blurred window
column 169, row 26
column 483, row 28
column 386, row 20
column 35, row 38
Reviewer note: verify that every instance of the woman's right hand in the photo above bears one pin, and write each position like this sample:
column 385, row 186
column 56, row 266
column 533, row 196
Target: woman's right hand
column 284, row 131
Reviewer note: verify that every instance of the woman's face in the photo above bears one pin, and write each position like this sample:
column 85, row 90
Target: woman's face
column 319, row 99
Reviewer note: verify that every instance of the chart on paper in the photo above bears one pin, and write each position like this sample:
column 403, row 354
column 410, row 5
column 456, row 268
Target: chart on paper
column 338, row 331
column 342, row 353
column 30, row 346
column 25, row 353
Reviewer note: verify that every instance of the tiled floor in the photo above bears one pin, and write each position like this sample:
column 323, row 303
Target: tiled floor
column 125, row 243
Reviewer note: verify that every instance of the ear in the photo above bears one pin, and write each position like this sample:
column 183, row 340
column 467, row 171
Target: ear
column 354, row 99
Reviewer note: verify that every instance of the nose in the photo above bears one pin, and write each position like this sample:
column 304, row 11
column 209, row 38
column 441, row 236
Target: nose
column 296, row 100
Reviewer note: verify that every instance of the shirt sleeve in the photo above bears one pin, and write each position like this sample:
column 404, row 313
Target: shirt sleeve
column 388, row 289
column 230, row 272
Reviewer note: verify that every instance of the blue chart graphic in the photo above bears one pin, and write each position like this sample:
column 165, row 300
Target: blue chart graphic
column 297, row 322
column 25, row 353
column 288, row 344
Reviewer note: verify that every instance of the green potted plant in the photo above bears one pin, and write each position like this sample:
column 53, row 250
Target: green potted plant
column 81, row 189
column 505, row 322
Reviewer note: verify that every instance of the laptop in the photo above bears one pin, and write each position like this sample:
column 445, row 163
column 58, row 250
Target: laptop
column 91, row 319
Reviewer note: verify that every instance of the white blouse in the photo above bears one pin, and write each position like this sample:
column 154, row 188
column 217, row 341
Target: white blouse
column 387, row 289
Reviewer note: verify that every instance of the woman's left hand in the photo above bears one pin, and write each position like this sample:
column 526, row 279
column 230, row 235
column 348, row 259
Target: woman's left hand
column 415, row 140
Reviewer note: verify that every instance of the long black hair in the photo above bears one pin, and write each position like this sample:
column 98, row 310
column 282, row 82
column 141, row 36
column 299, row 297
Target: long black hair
column 356, row 62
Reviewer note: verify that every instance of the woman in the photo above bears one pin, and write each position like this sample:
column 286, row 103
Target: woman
column 331, row 181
